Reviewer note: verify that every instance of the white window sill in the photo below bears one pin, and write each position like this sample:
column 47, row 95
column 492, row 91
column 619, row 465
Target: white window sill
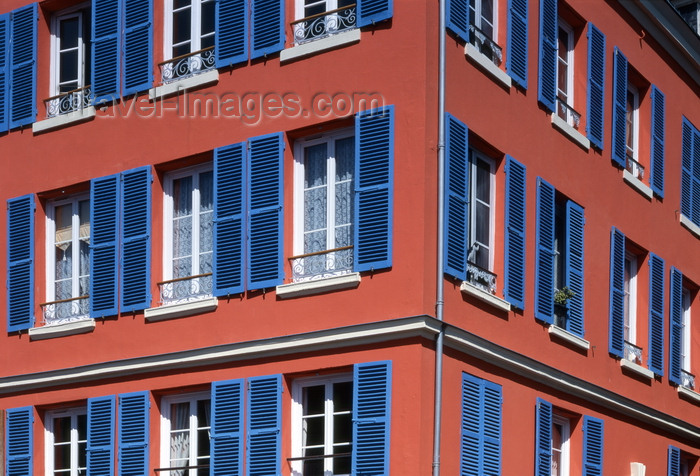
column 173, row 311
column 570, row 132
column 60, row 330
column 64, row 120
column 689, row 394
column 637, row 369
column 637, row 184
column 487, row 65
column 318, row 286
column 568, row 337
column 316, row 46
column 176, row 87
column 483, row 296
column 688, row 223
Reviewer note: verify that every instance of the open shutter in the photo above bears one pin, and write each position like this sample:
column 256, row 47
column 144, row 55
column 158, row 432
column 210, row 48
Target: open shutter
column 516, row 63
column 267, row 34
column 19, row 441
column 690, row 182
column 20, row 263
column 374, row 186
column 458, row 18
column 104, row 224
column 617, row 293
column 373, row 11
column 138, row 46
column 265, row 234
column 226, row 442
column 229, row 223
column 549, row 34
column 514, row 279
column 657, row 297
column 136, row 239
column 674, row 461
column 543, row 438
column 4, row 71
column 676, row 327
column 231, row 42
column 23, row 32
column 481, row 427
column 100, row 438
column 596, row 86
column 105, row 57
column 456, row 239
column 133, row 434
column 592, row 446
column 371, row 418
column 619, row 137
column 492, row 429
column 658, row 132
column 573, row 266
column 544, row 260
column 264, row 425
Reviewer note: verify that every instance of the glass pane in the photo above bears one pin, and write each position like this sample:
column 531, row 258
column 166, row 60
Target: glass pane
column 203, row 413
column 69, row 67
column 182, row 25
column 342, row 465
column 342, row 428
column 207, row 20
column 207, row 41
column 69, row 33
column 313, row 400
column 180, row 416
column 181, row 3
column 61, row 429
column 343, row 203
column 61, row 456
column 483, row 181
column 482, row 224
column 487, row 17
column 315, row 210
column 342, row 396
column 345, row 159
column 630, row 120
column 314, row 431
column 313, row 467
column 182, row 197
column 315, row 165
column 206, row 220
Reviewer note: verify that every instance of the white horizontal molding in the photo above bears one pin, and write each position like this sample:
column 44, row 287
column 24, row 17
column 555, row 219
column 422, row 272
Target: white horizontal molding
column 318, row 286
column 487, row 65
column 317, row 46
column 62, row 330
column 636, row 369
column 688, row 223
column 637, row 184
column 689, row 394
column 568, row 337
column 74, row 117
column 176, row 87
column 570, row 132
column 483, row 296
column 173, row 311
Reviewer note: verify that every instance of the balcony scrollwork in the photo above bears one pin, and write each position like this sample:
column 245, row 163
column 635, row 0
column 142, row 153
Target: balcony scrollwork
column 481, row 278
column 324, row 24
column 188, row 289
column 485, row 45
column 568, row 113
column 687, row 380
column 633, row 353
column 65, row 310
column 634, row 167
column 188, row 65
column 322, row 264
column 68, row 102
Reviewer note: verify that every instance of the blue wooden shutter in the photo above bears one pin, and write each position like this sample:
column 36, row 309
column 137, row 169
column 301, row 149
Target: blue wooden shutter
column 19, row 441
column 138, row 46
column 492, row 429
column 229, row 218
column 374, row 189
column 544, row 259
column 674, row 461
column 617, row 293
column 136, row 239
column 104, row 229
column 596, row 86
column 20, row 263
column 516, row 63
column 267, row 32
column 690, row 173
column 371, row 418
column 619, row 131
column 481, row 427
column 549, row 35
column 515, row 225
column 106, row 44
column 676, row 327
column 231, row 43
column 456, row 238
column 226, row 444
column 23, row 35
column 573, row 266
column 658, row 132
column 543, row 438
column 4, row 71
column 133, row 433
column 263, row 426
column 265, row 219
column 458, row 18
column 657, row 297
column 592, row 446
column 100, row 438
column 373, row 11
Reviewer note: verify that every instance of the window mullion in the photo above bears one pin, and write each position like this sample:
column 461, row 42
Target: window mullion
column 75, row 251
column 193, row 433
column 328, row 437
column 196, row 197
column 330, row 212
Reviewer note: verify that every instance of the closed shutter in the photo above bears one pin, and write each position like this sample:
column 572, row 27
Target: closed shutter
column 226, row 442
column 658, row 132
column 676, row 327
column 138, row 46
column 456, row 238
column 617, row 293
column 516, row 64
column 543, row 438
column 373, row 11
column 231, row 32
column 674, row 461
column 105, row 57
column 100, row 438
column 596, row 86
column 619, row 132
column 19, row 441
column 264, row 425
column 544, row 259
column 492, row 429
column 458, row 18
column 374, row 186
column 23, row 25
column 592, row 446
column 133, row 434
column 657, row 298
column 20, row 263
column 371, row 418
column 481, row 427
column 229, row 222
column 4, row 71
column 267, row 34
column 687, row 181
column 515, row 223
column 265, row 202
column 573, row 266
column 549, row 34
column 104, row 229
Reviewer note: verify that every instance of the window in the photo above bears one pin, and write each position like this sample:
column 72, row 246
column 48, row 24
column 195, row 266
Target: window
column 632, row 131
column 632, row 352
column 190, row 36
column 560, row 446
column 66, row 442
column 681, row 297
column 321, row 18
column 565, row 74
column 483, row 28
column 481, row 426
column 685, row 333
column 480, row 256
column 690, row 182
column 186, row 424
column 680, row 463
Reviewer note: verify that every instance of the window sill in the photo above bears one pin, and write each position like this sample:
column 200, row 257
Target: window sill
column 688, row 223
column 570, row 132
column 61, row 330
column 64, row 120
column 689, row 394
column 318, row 286
column 568, row 337
column 636, row 369
column 483, row 296
column 174, row 311
column 637, row 184
column 317, row 46
column 487, row 65
column 176, row 87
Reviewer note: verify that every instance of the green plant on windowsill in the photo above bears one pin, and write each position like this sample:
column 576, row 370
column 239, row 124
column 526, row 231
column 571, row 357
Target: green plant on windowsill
column 562, row 296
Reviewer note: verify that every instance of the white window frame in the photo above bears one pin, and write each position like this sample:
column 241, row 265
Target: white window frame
column 632, row 89
column 569, row 70
column 565, row 425
column 474, row 157
column 195, row 27
column 631, row 309
column 478, row 17
column 166, row 425
column 80, row 12
column 49, row 438
column 686, row 332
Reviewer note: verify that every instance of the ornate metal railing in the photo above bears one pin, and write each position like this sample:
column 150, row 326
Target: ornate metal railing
column 633, row 353
column 65, row 310
column 181, row 290
column 568, row 113
column 481, row 278
column 687, row 380
column 322, row 264
column 181, row 470
column 324, row 24
column 69, row 102
column 485, row 45
column 188, row 65
column 634, row 167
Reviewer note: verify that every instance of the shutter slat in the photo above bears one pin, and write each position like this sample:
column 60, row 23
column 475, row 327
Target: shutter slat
column 548, row 38
column 231, row 45
column 264, row 425
column 23, row 28
column 515, row 225
column 596, row 86
column 676, row 314
column 687, row 169
column 592, row 446
column 19, row 441
column 4, row 71
column 138, row 46
column 543, row 438
column 458, row 18
column 573, row 267
column 657, row 297
column 226, row 442
column 619, row 132
column 544, row 263
column 133, row 433
column 674, row 461
column 617, row 293
column 456, row 239
column 267, row 34
column 371, row 418
column 373, row 11
column 100, row 440
column 105, row 57
column 658, row 132
column 20, row 263
column 517, row 56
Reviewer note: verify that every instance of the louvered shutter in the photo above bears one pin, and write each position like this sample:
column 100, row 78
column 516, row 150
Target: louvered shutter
column 263, row 427
column 658, row 132
column 543, row 438
column 696, row 177
column 515, row 224
column 592, row 446
column 657, row 297
column 265, row 220
column 4, row 71
column 20, row 263
column 106, row 44
column 229, row 218
column 674, row 461
column 690, row 173
column 374, row 188
column 617, row 293
column 596, row 86
column 458, row 18
column 104, row 229
column 549, row 34
column 19, row 441
column 23, row 33
column 481, row 427
column 619, row 132
column 226, row 443
column 516, row 63
column 492, row 429
column 573, row 266
column 133, row 433
column 138, row 46
column 267, row 32
column 231, row 42
column 100, row 438
column 544, row 259
column 456, row 239
column 136, row 239
column 373, row 11
column 371, row 418
column 676, row 327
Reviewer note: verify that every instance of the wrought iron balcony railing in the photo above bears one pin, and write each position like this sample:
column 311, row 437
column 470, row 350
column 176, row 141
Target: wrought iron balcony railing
column 65, row 310
column 687, row 380
column 634, row 167
column 568, row 113
column 633, row 353
column 485, row 45
column 322, row 264
column 481, row 278
column 70, row 101
column 324, row 24
column 188, row 65
column 183, row 470
column 188, row 289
